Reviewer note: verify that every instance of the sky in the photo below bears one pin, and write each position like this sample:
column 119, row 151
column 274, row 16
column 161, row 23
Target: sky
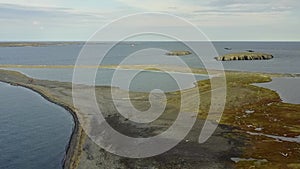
column 224, row 20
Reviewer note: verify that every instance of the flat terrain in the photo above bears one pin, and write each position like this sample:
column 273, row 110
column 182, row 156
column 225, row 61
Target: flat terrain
column 257, row 130
column 34, row 44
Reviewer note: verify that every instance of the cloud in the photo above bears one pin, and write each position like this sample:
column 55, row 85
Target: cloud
column 231, row 13
column 20, row 11
column 32, row 23
column 171, row 6
column 254, row 6
column 56, row 18
column 213, row 6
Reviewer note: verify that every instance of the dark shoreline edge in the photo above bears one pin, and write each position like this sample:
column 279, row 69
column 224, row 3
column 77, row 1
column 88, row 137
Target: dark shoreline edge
column 74, row 139
column 72, row 153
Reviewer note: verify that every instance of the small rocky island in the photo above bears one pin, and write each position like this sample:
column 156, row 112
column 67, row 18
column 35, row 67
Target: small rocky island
column 245, row 56
column 178, row 53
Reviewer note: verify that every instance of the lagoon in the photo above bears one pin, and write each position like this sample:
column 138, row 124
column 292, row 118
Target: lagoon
column 288, row 88
column 34, row 133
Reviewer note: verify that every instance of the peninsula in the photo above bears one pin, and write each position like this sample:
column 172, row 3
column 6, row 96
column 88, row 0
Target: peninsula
column 236, row 143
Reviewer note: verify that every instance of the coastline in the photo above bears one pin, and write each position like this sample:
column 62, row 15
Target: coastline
column 75, row 147
column 71, row 156
column 150, row 68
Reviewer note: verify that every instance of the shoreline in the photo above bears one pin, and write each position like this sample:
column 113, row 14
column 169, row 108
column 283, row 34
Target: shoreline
column 237, row 81
column 76, row 135
column 150, row 68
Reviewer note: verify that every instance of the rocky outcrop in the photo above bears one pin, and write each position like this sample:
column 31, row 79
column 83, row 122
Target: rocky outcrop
column 179, row 53
column 245, row 56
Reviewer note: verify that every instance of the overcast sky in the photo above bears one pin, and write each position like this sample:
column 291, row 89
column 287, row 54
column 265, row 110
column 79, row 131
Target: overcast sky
column 42, row 20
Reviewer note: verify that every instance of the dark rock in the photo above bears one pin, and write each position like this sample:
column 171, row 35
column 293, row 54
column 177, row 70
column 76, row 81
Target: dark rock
column 179, row 53
column 245, row 56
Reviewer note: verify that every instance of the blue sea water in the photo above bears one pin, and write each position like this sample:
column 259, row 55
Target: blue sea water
column 286, row 54
column 145, row 81
column 286, row 60
column 288, row 88
column 34, row 133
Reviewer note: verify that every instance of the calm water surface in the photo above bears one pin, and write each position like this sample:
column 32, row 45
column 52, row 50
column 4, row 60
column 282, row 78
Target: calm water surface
column 286, row 60
column 34, row 133
column 143, row 81
column 286, row 55
column 288, row 88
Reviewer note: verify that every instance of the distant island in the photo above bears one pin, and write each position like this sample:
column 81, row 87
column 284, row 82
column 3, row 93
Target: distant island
column 245, row 56
column 179, row 53
column 37, row 44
